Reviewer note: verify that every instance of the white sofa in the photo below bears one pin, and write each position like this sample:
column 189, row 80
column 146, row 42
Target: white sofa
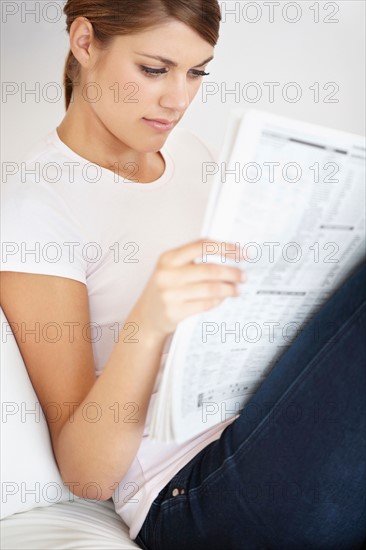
column 81, row 525
column 37, row 510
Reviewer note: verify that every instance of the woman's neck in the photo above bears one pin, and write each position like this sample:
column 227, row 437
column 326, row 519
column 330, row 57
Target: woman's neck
column 90, row 139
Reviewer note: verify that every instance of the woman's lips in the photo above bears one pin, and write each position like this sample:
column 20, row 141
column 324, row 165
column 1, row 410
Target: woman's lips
column 159, row 124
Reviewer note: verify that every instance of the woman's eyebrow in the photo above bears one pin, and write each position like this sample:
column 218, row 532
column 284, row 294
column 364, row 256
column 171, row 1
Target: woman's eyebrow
column 169, row 61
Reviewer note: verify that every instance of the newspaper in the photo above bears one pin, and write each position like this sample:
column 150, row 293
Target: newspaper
column 293, row 195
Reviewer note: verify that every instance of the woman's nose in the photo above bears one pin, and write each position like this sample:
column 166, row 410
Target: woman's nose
column 176, row 96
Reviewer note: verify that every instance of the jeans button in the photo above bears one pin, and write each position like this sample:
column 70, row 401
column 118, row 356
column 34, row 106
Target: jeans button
column 175, row 492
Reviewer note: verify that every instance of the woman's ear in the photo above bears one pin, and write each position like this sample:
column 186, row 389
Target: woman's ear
column 81, row 40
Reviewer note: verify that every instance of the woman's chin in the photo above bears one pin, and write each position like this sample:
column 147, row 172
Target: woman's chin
column 152, row 145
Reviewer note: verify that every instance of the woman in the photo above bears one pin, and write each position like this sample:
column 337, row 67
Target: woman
column 107, row 215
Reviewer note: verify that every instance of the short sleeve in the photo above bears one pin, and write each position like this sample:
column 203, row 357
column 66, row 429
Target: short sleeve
column 39, row 234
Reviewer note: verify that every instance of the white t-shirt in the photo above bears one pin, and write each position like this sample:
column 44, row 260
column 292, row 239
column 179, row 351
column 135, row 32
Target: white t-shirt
column 65, row 216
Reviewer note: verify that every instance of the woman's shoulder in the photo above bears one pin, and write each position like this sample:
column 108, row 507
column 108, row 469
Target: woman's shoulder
column 37, row 196
column 37, row 225
column 39, row 166
column 43, row 151
column 48, row 175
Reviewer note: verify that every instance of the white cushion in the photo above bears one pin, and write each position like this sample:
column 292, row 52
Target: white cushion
column 30, row 476
column 79, row 525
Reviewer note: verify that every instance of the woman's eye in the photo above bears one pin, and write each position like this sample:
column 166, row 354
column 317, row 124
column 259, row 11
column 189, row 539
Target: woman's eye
column 152, row 72
column 197, row 74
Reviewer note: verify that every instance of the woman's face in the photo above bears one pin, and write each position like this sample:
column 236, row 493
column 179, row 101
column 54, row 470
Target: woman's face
column 142, row 78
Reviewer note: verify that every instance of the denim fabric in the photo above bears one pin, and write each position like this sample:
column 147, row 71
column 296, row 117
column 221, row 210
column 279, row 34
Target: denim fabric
column 290, row 472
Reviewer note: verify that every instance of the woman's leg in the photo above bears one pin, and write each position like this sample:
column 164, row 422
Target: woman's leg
column 289, row 472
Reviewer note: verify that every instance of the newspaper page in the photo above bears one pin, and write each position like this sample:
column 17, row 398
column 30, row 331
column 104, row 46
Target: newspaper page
column 293, row 195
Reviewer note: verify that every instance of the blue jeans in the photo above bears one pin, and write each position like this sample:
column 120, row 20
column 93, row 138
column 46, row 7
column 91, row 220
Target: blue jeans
column 290, row 472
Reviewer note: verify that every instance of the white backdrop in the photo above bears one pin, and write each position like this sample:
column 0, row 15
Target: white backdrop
column 302, row 59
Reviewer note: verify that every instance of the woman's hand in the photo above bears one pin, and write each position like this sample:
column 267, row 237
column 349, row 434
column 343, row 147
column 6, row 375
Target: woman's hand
column 179, row 287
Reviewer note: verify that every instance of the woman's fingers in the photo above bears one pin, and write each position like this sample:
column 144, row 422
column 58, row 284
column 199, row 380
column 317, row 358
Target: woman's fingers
column 196, row 273
column 200, row 249
column 202, row 291
column 180, row 287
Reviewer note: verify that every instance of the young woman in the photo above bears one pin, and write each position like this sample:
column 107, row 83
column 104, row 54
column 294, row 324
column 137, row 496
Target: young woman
column 105, row 235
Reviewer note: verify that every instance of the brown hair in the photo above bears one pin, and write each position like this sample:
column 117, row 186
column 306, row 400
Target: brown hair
column 110, row 18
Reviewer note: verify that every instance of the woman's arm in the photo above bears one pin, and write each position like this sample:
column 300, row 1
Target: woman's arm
column 62, row 372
